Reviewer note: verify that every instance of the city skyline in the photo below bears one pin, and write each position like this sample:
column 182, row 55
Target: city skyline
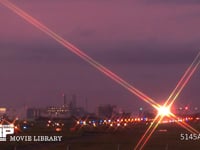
column 36, row 70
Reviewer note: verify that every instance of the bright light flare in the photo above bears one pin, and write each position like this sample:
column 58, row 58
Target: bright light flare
column 164, row 111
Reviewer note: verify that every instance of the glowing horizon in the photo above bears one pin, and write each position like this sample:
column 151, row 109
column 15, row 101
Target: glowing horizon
column 103, row 69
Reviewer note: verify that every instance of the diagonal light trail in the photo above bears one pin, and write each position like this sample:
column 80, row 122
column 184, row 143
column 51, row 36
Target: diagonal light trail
column 185, row 125
column 169, row 102
column 144, row 139
column 80, row 53
column 184, row 80
column 157, row 120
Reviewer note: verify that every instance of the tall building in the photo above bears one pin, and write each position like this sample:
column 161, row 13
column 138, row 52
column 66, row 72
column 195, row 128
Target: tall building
column 64, row 100
column 33, row 113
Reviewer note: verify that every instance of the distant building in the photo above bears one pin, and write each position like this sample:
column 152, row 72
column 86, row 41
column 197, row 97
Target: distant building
column 106, row 111
column 49, row 112
column 60, row 112
column 33, row 113
column 64, row 111
column 72, row 105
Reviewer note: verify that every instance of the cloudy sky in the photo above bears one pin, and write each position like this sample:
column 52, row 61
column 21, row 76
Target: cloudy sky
column 148, row 43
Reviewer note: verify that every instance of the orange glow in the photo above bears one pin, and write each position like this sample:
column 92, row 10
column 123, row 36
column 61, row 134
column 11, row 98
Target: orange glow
column 58, row 129
column 164, row 111
column 2, row 110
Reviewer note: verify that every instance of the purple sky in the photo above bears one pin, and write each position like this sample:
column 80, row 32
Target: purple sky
column 149, row 44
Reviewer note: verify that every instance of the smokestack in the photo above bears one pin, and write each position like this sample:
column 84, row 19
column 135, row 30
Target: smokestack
column 64, row 100
column 86, row 104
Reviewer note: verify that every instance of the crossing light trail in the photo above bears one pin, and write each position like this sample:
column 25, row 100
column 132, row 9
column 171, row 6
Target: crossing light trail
column 79, row 53
column 185, row 125
column 184, row 80
column 169, row 102
column 157, row 120
column 144, row 139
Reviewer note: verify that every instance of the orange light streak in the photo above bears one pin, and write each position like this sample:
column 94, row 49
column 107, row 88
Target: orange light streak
column 10, row 123
column 184, row 125
column 144, row 139
column 184, row 80
column 81, row 54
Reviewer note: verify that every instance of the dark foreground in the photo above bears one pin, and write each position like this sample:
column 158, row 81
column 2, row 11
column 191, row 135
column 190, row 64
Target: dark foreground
column 166, row 137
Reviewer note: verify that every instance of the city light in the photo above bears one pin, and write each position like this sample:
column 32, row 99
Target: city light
column 58, row 129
